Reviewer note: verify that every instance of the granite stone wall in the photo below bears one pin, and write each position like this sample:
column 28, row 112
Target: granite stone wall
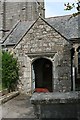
column 43, row 41
column 1, row 19
column 11, row 12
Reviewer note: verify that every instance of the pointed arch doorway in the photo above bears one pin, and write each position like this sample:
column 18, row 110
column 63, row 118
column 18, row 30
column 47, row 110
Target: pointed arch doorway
column 42, row 74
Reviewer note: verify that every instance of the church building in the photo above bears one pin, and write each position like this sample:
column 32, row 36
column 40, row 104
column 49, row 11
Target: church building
column 48, row 49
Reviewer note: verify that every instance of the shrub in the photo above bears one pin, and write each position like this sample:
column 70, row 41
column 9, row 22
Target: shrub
column 9, row 71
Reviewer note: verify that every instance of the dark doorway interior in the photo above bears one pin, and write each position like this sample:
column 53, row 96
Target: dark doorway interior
column 43, row 73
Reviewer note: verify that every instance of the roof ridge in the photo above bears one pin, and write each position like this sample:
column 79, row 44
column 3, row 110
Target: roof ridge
column 53, row 28
column 33, row 22
column 58, row 16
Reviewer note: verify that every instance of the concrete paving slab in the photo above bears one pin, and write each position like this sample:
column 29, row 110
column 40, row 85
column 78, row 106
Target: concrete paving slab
column 18, row 107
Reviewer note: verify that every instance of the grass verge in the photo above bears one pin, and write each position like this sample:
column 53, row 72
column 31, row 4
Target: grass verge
column 0, row 87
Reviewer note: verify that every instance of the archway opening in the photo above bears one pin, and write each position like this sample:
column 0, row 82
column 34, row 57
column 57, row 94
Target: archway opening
column 42, row 73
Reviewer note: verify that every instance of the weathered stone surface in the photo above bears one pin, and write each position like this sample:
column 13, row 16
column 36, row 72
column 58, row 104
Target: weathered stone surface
column 8, row 96
column 55, row 98
column 57, row 105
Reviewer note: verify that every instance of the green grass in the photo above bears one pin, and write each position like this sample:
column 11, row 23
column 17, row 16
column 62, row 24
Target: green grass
column 0, row 87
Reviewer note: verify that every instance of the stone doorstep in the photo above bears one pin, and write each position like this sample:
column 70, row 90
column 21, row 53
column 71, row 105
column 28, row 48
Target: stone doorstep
column 8, row 96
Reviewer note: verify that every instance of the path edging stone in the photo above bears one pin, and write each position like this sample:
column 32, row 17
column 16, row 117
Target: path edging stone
column 8, row 96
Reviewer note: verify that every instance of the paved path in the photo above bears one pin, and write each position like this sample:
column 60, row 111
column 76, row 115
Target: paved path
column 18, row 107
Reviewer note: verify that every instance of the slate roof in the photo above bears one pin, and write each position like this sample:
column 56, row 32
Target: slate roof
column 18, row 32
column 66, row 26
column 70, row 29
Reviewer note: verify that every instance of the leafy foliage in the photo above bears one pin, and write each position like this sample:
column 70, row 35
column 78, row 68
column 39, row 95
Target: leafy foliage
column 0, row 70
column 9, row 71
column 69, row 6
column 0, row 66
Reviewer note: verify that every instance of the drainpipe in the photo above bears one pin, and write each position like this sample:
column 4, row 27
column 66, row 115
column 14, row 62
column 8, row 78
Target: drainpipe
column 73, row 78
column 73, row 70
